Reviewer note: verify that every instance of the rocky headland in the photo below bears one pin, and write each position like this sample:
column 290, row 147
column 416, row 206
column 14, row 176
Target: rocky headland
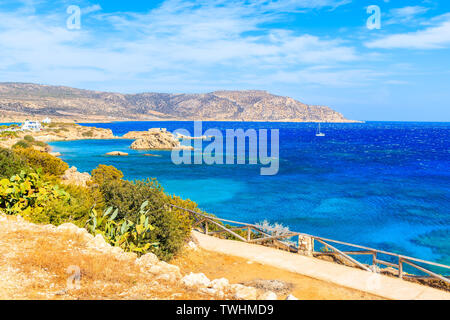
column 152, row 139
column 57, row 132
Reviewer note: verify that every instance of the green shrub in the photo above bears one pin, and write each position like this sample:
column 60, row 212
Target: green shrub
column 172, row 227
column 40, row 144
column 27, row 194
column 9, row 134
column 74, row 209
column 11, row 163
column 134, row 236
column 22, row 144
column 41, row 160
column 29, row 138
column 88, row 134
column 103, row 174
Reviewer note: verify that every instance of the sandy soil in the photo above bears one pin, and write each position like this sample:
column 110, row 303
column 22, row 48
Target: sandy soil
column 239, row 270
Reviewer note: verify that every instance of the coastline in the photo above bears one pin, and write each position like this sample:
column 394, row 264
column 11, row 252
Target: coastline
column 103, row 120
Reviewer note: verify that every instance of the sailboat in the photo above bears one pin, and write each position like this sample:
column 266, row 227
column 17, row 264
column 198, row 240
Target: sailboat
column 318, row 133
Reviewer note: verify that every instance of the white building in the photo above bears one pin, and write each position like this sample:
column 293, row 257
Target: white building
column 47, row 120
column 31, row 125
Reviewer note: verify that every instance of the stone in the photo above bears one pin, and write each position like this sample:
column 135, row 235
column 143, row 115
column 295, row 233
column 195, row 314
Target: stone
column 55, row 154
column 152, row 155
column 99, row 243
column 192, row 246
column 169, row 269
column 147, row 260
column 305, row 246
column 167, row 277
column 117, row 153
column 244, row 293
column 268, row 295
column 72, row 176
column 195, row 280
column 291, row 297
column 219, row 284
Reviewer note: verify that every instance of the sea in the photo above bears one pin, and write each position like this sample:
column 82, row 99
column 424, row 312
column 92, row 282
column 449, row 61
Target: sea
column 384, row 185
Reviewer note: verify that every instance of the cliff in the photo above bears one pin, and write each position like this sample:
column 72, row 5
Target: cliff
column 19, row 100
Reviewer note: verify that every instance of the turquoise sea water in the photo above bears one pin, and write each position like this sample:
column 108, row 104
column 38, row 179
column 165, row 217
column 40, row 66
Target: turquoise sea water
column 381, row 184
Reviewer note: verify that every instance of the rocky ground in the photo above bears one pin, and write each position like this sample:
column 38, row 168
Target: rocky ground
column 60, row 132
column 250, row 273
column 66, row 262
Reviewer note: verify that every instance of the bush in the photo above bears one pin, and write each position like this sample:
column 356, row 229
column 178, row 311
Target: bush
column 103, row 174
column 11, row 163
column 27, row 194
column 22, row 144
column 41, row 160
column 9, row 134
column 74, row 209
column 29, row 138
column 171, row 227
column 88, row 134
column 134, row 236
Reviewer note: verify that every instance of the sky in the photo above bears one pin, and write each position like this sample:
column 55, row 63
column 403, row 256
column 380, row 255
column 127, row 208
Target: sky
column 320, row 52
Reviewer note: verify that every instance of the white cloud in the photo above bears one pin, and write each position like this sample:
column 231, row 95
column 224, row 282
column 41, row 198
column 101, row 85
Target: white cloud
column 179, row 44
column 406, row 15
column 433, row 37
column 90, row 9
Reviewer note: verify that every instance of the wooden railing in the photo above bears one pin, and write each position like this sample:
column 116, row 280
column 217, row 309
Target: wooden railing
column 252, row 233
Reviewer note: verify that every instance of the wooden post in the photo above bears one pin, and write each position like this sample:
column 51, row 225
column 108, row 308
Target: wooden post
column 374, row 258
column 400, row 268
column 206, row 227
column 249, row 233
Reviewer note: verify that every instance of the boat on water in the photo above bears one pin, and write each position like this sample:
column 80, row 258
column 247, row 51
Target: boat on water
column 319, row 133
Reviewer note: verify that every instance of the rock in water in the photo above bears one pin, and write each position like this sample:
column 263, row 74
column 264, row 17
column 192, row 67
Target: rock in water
column 156, row 140
column 117, row 153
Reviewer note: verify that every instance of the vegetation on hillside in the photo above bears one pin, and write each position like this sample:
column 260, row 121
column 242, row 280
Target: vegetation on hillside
column 134, row 215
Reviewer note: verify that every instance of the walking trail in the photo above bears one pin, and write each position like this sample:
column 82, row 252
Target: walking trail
column 372, row 283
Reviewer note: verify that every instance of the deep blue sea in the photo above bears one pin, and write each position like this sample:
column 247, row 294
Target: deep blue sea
column 381, row 184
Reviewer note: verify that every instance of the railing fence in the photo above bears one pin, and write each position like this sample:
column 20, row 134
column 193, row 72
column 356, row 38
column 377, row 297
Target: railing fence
column 305, row 245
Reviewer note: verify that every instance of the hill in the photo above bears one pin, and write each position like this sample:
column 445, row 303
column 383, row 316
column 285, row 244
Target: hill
column 18, row 100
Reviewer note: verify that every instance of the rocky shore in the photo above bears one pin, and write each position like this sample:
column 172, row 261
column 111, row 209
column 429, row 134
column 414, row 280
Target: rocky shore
column 58, row 132
column 152, row 139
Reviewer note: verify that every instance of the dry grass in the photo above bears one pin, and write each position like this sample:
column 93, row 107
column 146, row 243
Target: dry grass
column 34, row 262
column 239, row 270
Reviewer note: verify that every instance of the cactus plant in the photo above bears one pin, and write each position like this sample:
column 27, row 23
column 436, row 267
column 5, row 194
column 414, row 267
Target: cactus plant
column 134, row 236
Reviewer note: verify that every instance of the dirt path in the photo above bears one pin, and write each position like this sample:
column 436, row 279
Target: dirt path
column 240, row 270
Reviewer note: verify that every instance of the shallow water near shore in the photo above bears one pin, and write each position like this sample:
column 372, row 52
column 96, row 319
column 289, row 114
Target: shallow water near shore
column 380, row 184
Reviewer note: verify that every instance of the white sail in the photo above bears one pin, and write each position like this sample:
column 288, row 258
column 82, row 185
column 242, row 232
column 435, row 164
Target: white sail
column 318, row 133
